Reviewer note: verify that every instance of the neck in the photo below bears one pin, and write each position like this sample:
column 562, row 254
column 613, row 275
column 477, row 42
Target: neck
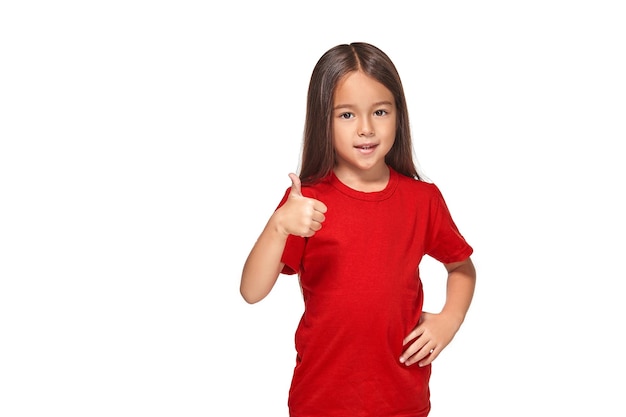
column 366, row 181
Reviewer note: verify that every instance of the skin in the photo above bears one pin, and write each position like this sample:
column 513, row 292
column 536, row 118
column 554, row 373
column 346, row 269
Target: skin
column 364, row 130
column 364, row 126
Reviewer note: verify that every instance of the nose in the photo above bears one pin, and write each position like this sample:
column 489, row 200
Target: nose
column 365, row 127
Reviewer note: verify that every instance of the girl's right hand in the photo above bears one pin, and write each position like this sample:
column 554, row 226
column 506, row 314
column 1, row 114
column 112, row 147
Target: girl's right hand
column 300, row 215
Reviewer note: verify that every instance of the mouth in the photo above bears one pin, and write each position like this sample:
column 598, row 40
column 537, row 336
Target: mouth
column 366, row 146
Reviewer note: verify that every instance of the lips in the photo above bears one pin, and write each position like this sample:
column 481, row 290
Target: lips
column 366, row 146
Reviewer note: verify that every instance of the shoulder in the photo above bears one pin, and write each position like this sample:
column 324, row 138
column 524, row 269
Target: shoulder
column 418, row 187
column 419, row 194
column 318, row 188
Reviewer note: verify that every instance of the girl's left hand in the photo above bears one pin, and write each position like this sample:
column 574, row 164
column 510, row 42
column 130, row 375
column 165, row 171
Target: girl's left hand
column 433, row 333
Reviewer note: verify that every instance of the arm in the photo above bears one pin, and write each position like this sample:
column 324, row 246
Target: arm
column 263, row 265
column 435, row 331
column 299, row 216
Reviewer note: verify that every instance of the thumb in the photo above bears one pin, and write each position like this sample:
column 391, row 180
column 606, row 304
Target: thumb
column 295, row 185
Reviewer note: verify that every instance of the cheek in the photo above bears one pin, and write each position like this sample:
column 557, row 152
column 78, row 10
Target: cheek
column 388, row 131
column 340, row 133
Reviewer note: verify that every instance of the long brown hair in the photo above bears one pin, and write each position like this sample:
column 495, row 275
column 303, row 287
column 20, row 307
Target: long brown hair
column 318, row 155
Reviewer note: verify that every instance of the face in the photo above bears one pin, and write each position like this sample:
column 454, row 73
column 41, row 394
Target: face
column 364, row 125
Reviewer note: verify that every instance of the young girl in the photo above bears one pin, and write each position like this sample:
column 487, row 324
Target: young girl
column 354, row 226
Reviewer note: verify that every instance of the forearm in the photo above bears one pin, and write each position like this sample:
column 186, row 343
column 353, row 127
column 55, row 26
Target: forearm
column 460, row 290
column 263, row 265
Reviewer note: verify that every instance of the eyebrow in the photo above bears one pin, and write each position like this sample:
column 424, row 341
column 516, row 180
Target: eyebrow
column 349, row 106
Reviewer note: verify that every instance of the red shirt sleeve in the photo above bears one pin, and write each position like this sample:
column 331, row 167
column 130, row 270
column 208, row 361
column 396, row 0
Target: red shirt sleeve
column 444, row 241
column 294, row 248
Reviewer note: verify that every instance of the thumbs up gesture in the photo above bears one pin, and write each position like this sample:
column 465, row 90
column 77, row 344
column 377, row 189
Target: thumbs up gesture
column 300, row 215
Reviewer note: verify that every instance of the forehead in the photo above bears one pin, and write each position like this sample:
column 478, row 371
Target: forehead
column 358, row 87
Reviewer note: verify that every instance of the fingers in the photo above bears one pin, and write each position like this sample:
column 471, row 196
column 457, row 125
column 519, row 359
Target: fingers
column 422, row 345
column 296, row 190
column 317, row 218
column 419, row 352
column 414, row 334
column 320, row 208
column 303, row 216
column 296, row 185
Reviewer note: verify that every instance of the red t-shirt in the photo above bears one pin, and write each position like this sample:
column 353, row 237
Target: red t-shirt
column 363, row 295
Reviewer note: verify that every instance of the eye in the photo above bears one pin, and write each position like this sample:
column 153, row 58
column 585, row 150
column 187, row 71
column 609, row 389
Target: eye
column 346, row 116
column 380, row 112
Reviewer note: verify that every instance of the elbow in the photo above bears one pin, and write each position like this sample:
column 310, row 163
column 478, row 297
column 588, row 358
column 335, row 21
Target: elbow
column 255, row 288
column 250, row 300
column 249, row 296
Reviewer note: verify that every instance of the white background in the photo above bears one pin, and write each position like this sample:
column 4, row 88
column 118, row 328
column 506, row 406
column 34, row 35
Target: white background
column 144, row 145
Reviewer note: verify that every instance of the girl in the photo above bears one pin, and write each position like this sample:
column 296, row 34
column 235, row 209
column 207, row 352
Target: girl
column 354, row 226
